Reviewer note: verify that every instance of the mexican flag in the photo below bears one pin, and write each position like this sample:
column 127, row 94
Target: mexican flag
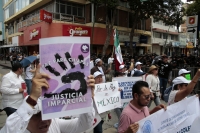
column 117, row 47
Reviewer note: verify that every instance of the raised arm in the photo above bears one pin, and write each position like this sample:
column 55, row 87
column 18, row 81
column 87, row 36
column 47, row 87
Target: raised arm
column 131, row 66
column 185, row 92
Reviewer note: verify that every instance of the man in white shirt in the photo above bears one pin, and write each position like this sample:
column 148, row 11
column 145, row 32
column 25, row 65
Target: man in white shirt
column 138, row 66
column 11, row 89
column 27, row 119
column 99, row 67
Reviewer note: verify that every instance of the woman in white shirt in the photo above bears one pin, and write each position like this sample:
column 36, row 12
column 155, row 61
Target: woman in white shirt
column 154, row 84
column 28, row 77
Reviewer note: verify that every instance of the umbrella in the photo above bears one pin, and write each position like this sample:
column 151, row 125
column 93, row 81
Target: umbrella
column 28, row 60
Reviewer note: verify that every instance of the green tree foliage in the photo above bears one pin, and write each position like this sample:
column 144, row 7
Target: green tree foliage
column 111, row 10
column 166, row 10
column 193, row 9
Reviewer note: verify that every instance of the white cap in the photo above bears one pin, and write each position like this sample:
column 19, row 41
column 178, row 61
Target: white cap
column 121, row 66
column 97, row 73
column 97, row 60
column 180, row 80
column 138, row 63
column 183, row 71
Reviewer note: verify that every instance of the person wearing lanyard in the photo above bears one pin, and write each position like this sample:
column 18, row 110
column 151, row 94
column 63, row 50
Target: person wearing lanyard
column 99, row 67
column 154, row 84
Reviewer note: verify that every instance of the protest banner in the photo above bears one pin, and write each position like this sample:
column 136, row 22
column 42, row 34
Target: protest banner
column 178, row 118
column 67, row 61
column 107, row 96
column 126, row 84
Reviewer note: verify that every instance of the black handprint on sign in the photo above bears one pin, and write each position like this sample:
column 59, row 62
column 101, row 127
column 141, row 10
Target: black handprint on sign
column 52, row 70
column 61, row 63
column 81, row 59
column 68, row 79
column 68, row 56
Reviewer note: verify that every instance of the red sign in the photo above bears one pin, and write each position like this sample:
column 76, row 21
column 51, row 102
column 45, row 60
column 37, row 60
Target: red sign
column 69, row 30
column 191, row 20
column 45, row 16
column 35, row 34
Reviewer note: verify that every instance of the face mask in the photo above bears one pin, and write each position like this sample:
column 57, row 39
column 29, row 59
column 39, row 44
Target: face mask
column 187, row 76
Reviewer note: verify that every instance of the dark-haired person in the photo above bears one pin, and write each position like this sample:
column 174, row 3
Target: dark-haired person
column 137, row 108
column 12, row 92
column 182, row 88
column 28, row 119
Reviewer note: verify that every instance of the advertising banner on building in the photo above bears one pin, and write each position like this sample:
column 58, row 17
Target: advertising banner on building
column 45, row 16
column 71, row 30
column 35, row 34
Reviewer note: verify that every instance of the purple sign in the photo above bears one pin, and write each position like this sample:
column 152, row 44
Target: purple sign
column 67, row 61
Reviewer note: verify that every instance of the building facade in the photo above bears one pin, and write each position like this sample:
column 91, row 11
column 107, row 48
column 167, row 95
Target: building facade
column 164, row 37
column 25, row 25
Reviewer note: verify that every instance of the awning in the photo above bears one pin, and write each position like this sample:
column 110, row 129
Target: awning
column 16, row 34
column 144, row 45
column 164, row 31
column 7, row 46
column 190, row 45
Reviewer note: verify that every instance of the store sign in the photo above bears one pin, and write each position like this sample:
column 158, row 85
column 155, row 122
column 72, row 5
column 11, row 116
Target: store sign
column 46, row 16
column 67, row 18
column 29, row 21
column 35, row 34
column 69, row 30
column 192, row 21
column 125, row 36
column 183, row 40
column 127, row 44
column 176, row 44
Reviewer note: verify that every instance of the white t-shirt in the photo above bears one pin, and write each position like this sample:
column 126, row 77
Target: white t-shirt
column 172, row 96
column 28, row 74
column 132, row 72
column 110, row 60
column 154, row 82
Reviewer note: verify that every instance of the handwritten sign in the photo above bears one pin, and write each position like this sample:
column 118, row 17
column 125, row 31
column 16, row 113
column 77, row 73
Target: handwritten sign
column 107, row 96
column 178, row 118
column 126, row 84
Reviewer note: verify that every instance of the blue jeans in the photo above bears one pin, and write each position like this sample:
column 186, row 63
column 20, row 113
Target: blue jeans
column 163, row 85
column 9, row 110
column 29, row 85
column 99, row 127
column 156, row 101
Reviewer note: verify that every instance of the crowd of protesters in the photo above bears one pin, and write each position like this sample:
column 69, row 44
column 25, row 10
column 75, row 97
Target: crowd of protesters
column 27, row 113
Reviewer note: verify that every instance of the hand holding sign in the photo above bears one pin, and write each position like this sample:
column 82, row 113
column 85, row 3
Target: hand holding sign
column 133, row 128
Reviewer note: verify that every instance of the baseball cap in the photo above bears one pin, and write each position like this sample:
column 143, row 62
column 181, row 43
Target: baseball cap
column 138, row 73
column 97, row 73
column 97, row 60
column 121, row 66
column 180, row 80
column 138, row 63
column 183, row 71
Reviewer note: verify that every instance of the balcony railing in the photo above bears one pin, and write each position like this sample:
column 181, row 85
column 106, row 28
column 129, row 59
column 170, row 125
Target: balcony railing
column 56, row 16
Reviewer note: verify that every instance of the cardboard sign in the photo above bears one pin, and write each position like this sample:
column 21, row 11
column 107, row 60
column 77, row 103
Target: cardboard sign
column 126, row 84
column 67, row 61
column 107, row 96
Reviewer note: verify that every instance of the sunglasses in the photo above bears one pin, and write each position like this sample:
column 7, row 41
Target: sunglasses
column 146, row 96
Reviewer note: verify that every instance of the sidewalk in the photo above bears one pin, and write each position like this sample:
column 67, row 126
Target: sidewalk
column 5, row 63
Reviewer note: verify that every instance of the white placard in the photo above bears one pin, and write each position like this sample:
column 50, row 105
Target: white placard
column 107, row 96
column 178, row 118
column 126, row 84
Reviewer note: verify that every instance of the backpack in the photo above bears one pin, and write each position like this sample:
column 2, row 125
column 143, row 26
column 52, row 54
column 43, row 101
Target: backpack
column 166, row 94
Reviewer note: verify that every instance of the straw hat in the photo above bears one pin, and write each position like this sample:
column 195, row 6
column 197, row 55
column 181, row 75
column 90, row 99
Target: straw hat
column 152, row 68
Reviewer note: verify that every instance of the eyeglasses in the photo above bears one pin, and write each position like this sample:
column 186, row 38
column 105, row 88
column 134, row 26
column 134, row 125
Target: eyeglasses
column 146, row 96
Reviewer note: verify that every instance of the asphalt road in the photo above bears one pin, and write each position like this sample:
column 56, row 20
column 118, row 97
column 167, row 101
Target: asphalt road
column 108, row 126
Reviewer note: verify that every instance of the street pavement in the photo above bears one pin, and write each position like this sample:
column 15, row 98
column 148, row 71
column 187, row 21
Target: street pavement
column 108, row 126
